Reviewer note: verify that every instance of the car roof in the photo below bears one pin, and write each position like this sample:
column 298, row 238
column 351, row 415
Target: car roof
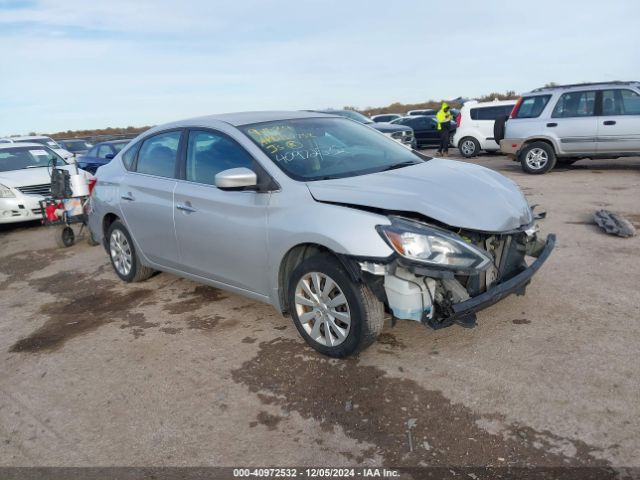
column 238, row 119
column 496, row 103
column 585, row 86
column 117, row 140
column 29, row 137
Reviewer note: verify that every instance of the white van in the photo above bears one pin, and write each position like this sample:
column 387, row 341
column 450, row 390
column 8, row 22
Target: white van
column 475, row 126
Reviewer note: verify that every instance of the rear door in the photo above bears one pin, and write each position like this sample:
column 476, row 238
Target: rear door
column 222, row 235
column 146, row 197
column 619, row 121
column 574, row 123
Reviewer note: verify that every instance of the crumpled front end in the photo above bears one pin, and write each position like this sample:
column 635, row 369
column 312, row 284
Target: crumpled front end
column 439, row 296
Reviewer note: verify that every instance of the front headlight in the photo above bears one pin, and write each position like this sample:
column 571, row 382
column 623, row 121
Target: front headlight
column 433, row 247
column 5, row 192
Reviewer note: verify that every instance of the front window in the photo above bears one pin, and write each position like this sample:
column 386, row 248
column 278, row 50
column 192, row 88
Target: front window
column 19, row 158
column 575, row 104
column 324, row 148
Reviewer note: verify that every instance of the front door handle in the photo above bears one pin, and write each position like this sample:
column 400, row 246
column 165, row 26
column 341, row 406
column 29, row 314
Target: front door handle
column 552, row 124
column 128, row 196
column 609, row 122
column 185, row 208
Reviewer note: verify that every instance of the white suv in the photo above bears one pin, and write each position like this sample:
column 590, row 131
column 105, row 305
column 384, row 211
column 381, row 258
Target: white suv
column 475, row 126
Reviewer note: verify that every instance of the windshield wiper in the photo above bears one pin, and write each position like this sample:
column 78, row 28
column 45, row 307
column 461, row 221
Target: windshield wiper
column 400, row 165
column 34, row 166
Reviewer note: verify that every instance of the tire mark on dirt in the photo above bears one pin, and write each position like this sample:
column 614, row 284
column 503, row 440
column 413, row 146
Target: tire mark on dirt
column 375, row 408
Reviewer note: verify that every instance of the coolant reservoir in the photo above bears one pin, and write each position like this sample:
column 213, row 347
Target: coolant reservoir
column 408, row 296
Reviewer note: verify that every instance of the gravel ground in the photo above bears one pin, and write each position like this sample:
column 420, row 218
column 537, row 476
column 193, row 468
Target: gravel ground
column 168, row 372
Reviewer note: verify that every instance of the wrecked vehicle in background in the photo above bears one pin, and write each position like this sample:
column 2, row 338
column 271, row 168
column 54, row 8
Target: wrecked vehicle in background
column 324, row 218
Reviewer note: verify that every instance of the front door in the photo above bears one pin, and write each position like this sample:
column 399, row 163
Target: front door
column 146, row 198
column 222, row 235
column 619, row 123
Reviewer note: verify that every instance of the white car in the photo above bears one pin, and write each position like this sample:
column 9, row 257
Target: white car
column 25, row 180
column 475, row 125
column 44, row 140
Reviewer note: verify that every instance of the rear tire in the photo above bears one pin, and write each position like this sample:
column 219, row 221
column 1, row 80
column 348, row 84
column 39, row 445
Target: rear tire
column 537, row 158
column 334, row 314
column 123, row 255
column 469, row 147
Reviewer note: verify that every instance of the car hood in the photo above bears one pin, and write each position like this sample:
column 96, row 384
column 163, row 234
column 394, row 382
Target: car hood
column 389, row 127
column 458, row 194
column 32, row 176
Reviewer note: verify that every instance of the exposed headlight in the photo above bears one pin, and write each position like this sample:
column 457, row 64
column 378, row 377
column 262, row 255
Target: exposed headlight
column 5, row 192
column 433, row 247
column 397, row 135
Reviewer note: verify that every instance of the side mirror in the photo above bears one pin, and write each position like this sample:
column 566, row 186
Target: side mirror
column 236, row 178
column 109, row 156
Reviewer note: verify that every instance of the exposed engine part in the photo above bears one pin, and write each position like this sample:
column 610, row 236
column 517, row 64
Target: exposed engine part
column 457, row 291
column 614, row 224
column 410, row 297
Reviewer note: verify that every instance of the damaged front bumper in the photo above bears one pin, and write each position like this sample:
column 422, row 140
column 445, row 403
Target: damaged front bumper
column 516, row 284
column 437, row 298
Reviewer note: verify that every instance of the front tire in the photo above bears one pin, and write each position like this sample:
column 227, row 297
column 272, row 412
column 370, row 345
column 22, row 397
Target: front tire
column 537, row 158
column 334, row 314
column 469, row 147
column 123, row 255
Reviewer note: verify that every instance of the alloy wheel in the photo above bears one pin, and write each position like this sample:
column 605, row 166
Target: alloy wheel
column 468, row 147
column 120, row 251
column 536, row 158
column 322, row 309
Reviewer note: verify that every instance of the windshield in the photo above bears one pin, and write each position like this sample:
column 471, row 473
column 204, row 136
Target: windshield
column 119, row 146
column 323, row 148
column 49, row 142
column 76, row 145
column 27, row 157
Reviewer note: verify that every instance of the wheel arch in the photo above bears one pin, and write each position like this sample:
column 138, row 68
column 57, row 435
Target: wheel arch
column 107, row 221
column 546, row 140
column 295, row 256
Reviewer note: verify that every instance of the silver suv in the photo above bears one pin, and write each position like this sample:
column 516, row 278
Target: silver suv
column 320, row 216
column 563, row 124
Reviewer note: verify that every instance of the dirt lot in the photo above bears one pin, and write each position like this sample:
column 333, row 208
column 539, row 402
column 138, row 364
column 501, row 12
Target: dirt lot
column 167, row 372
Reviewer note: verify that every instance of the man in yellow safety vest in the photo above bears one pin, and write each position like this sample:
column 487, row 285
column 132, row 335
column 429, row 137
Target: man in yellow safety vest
column 443, row 117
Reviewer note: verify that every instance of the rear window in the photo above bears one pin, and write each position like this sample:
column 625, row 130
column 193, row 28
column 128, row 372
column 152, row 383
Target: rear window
column 532, row 107
column 490, row 113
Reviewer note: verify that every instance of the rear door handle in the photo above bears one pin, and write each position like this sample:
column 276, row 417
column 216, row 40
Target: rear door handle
column 552, row 124
column 128, row 196
column 185, row 208
column 609, row 122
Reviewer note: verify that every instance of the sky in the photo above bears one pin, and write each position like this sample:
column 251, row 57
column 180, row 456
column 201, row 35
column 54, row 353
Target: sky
column 76, row 64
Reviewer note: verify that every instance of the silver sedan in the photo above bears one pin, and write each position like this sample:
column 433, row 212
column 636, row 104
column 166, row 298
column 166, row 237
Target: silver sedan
column 325, row 219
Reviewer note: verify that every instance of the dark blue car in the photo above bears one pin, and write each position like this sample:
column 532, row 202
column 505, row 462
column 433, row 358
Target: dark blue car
column 101, row 154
